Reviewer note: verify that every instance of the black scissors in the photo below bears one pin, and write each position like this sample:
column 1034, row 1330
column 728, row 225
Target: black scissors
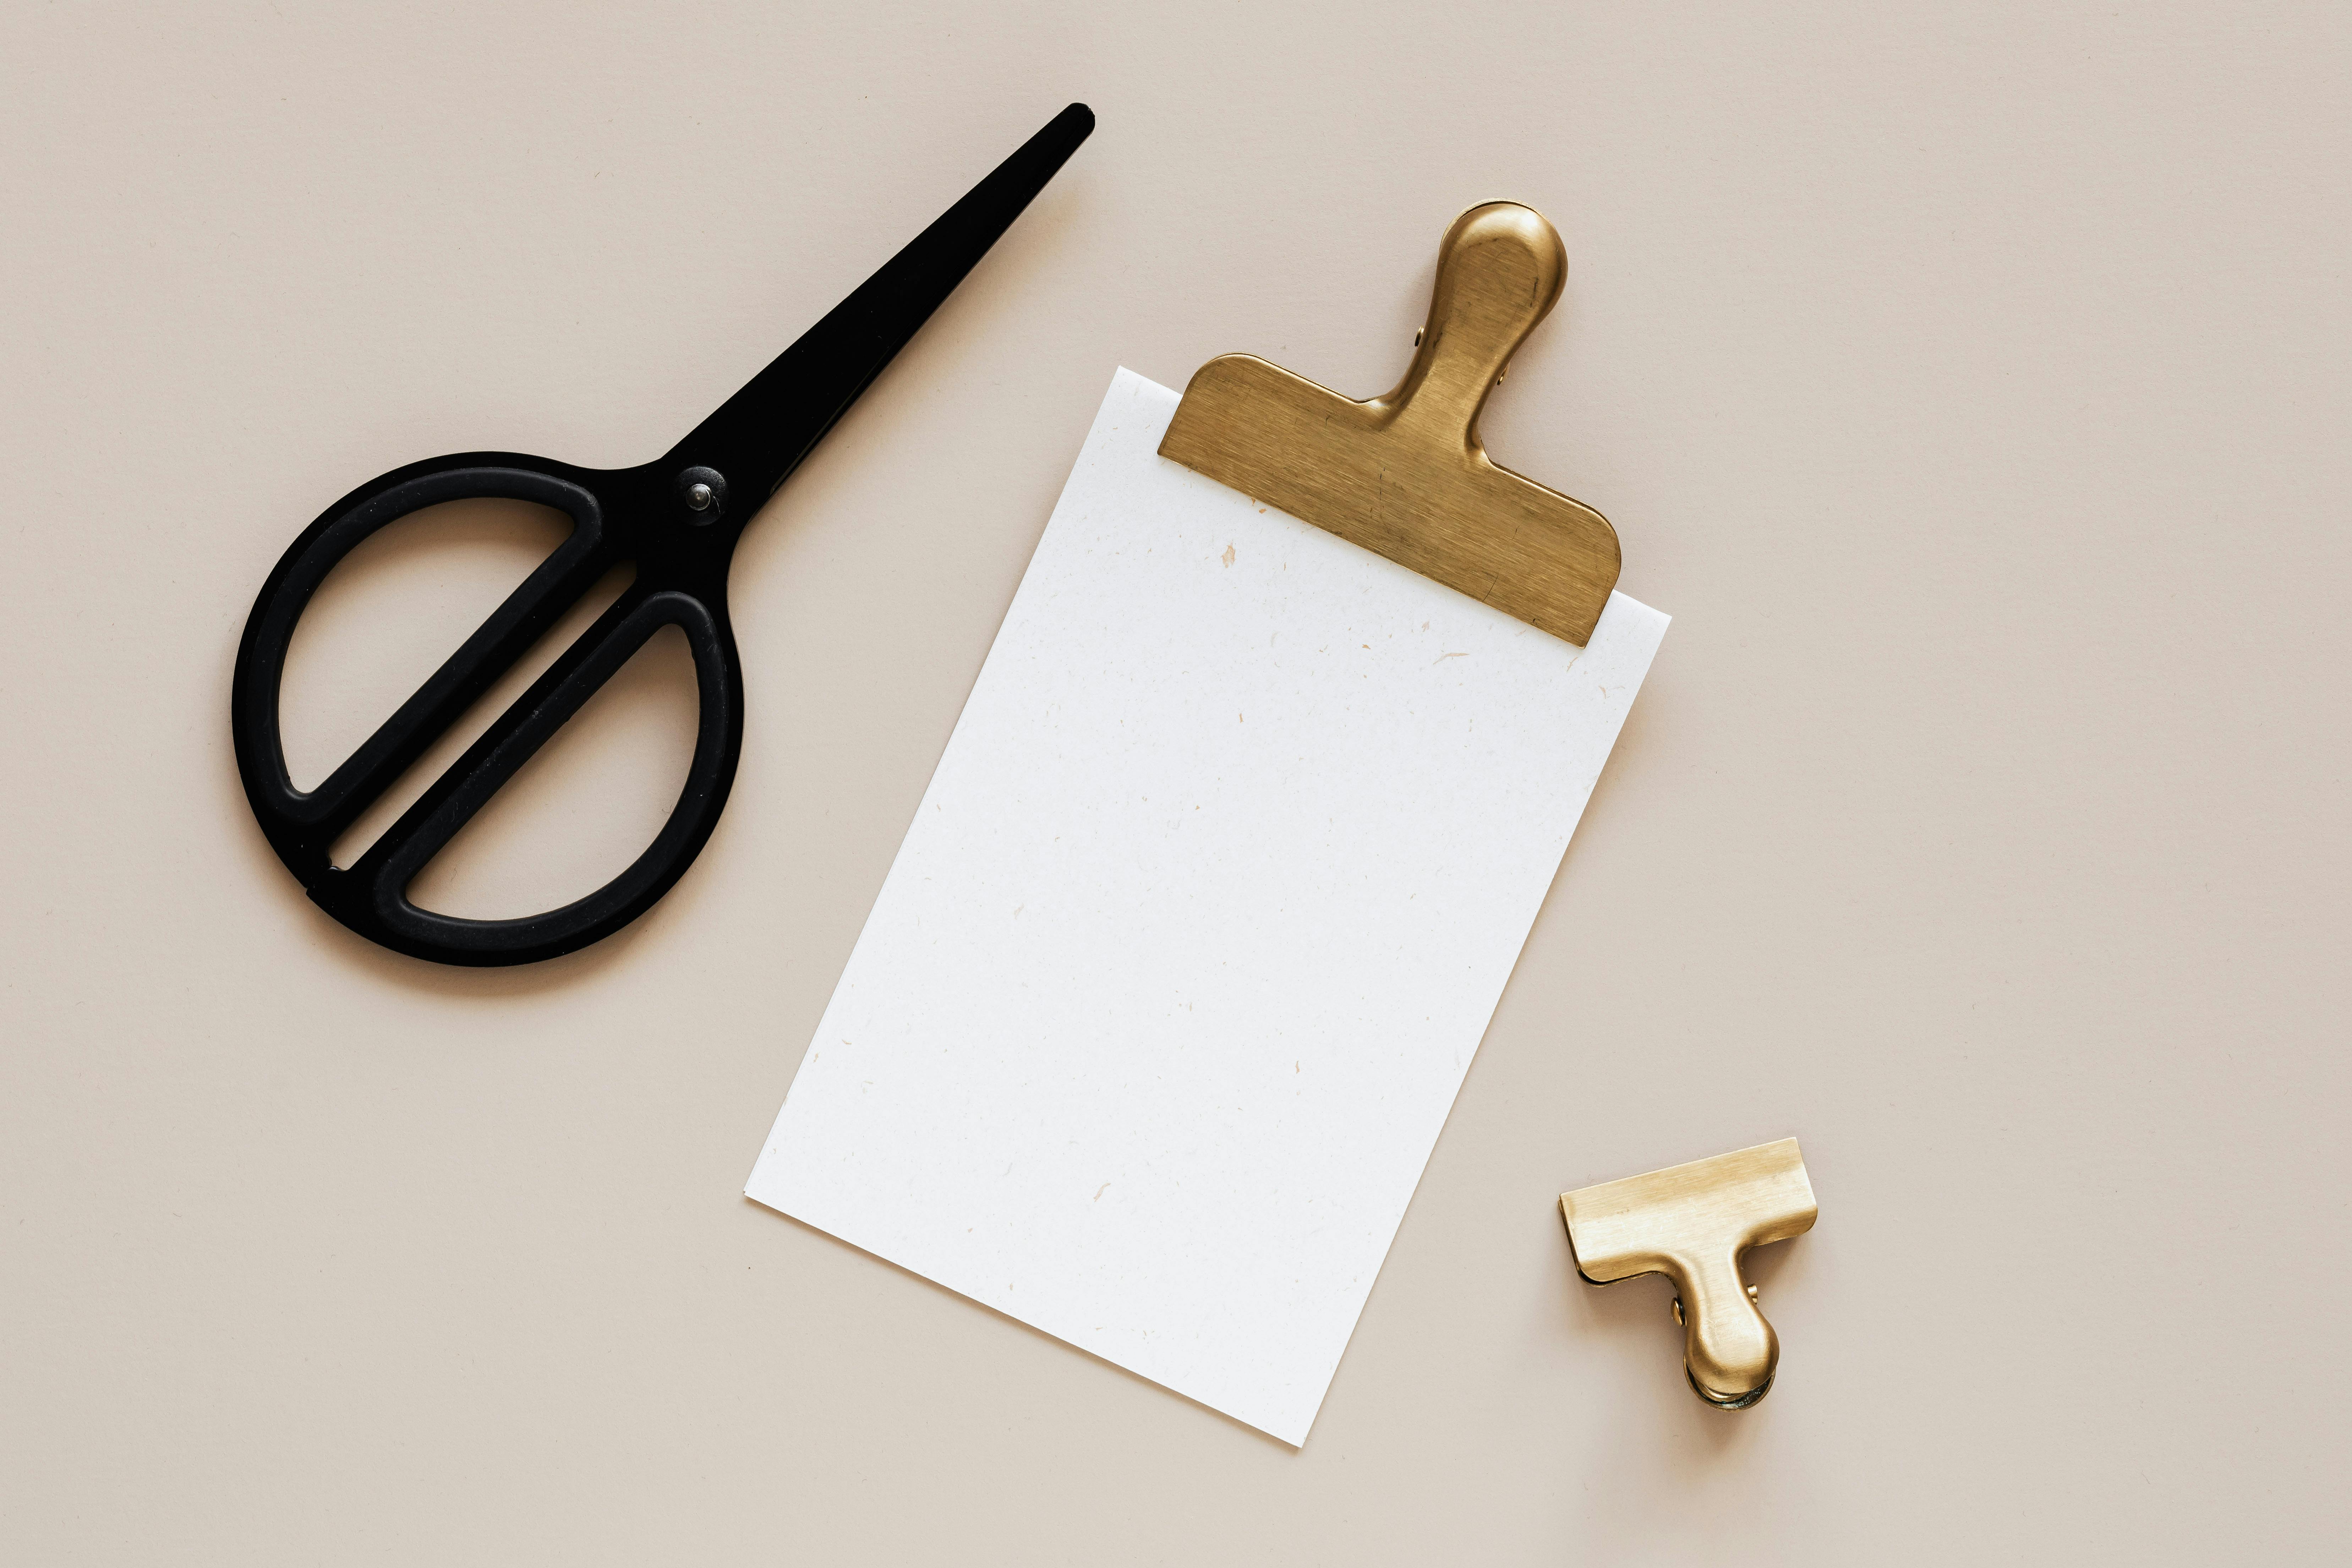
column 676, row 520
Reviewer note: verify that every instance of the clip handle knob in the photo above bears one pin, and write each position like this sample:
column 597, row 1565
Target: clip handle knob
column 1729, row 1351
column 1500, row 270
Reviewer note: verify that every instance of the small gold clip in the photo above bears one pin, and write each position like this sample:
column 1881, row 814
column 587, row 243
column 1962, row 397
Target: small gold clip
column 1693, row 1224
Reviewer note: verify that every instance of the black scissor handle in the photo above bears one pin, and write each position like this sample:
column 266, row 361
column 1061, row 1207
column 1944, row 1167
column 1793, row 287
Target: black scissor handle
column 676, row 520
column 680, row 581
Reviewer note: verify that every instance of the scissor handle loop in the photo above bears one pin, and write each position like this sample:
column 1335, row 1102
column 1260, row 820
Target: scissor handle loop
column 371, row 897
column 463, row 677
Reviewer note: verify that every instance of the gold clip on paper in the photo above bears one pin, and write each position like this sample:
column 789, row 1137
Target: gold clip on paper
column 1693, row 1224
column 1406, row 476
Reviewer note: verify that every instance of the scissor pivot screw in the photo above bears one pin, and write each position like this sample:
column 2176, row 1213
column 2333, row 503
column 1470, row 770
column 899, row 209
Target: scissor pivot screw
column 704, row 491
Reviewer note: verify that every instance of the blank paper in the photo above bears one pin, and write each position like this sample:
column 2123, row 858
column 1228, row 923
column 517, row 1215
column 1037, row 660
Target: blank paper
column 1180, row 967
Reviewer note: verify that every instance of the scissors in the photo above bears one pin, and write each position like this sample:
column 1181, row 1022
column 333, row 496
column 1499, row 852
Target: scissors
column 676, row 520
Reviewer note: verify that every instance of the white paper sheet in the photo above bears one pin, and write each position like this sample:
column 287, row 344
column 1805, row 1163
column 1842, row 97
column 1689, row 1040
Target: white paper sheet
column 1175, row 977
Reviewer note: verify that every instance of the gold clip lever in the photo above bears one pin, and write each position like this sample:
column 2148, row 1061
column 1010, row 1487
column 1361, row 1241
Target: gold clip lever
column 1693, row 1224
column 1406, row 476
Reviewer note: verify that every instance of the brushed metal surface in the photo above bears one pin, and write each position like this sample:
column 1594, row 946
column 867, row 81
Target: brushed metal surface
column 1694, row 1223
column 1405, row 475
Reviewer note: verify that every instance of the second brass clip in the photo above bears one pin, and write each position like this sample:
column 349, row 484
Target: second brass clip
column 1693, row 1224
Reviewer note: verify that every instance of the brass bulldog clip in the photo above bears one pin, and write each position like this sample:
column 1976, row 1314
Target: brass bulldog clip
column 1693, row 1224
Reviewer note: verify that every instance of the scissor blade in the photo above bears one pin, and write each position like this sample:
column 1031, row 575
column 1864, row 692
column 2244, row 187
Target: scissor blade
column 759, row 437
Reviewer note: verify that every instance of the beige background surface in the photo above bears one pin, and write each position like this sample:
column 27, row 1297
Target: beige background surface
column 1970, row 382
